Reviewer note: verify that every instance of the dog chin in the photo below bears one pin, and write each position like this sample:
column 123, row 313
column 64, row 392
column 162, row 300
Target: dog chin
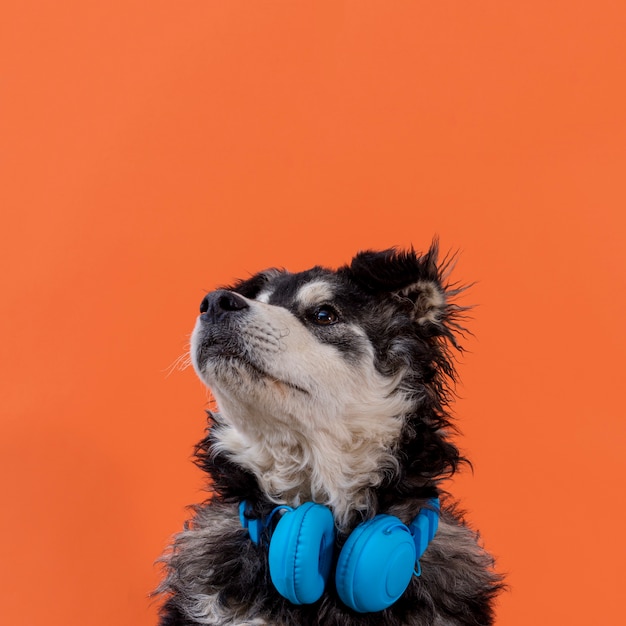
column 237, row 375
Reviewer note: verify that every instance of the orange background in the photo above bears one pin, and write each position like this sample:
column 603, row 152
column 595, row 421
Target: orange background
column 152, row 150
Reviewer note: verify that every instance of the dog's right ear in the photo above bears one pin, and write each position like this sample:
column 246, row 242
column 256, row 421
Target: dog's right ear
column 408, row 275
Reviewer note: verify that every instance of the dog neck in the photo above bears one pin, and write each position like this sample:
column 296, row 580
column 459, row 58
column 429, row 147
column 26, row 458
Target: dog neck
column 336, row 468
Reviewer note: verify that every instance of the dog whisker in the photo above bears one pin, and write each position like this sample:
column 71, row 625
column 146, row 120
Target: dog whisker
column 179, row 364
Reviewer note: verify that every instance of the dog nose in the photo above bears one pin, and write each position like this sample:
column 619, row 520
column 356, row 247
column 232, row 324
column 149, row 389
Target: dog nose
column 219, row 304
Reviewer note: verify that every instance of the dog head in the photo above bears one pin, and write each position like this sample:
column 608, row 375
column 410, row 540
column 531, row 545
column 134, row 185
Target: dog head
column 333, row 383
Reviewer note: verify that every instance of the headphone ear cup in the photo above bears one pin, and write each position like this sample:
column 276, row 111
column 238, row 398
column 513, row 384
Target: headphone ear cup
column 301, row 553
column 376, row 564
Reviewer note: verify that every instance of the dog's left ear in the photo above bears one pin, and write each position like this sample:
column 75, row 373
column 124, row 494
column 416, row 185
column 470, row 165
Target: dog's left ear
column 408, row 275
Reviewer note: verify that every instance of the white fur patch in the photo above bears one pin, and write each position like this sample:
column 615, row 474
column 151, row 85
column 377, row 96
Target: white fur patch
column 265, row 295
column 316, row 292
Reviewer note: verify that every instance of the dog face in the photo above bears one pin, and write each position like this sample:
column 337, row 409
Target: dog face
column 293, row 349
column 317, row 374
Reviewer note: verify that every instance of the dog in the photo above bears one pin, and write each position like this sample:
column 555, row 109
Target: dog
column 327, row 454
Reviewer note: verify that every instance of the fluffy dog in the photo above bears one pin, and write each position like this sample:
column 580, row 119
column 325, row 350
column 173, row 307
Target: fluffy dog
column 332, row 388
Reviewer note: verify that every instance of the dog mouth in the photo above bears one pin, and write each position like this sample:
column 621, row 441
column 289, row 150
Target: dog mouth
column 271, row 378
column 216, row 358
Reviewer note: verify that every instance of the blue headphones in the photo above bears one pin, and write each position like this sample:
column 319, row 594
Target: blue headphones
column 374, row 567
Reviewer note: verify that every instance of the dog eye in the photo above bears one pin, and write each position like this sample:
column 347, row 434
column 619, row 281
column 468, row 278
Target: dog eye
column 325, row 316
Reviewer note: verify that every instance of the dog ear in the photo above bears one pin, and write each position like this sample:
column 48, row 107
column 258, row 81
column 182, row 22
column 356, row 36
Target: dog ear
column 407, row 275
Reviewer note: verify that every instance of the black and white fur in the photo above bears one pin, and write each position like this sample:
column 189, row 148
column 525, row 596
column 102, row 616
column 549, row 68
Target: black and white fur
column 332, row 387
